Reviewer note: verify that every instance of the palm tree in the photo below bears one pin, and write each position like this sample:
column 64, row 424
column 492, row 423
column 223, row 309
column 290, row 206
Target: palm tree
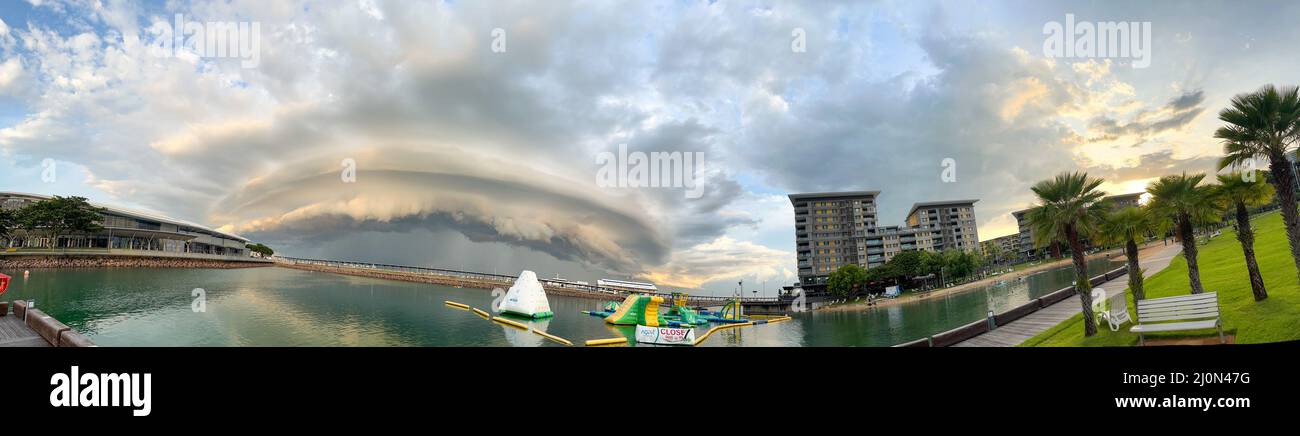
column 1266, row 123
column 1179, row 201
column 1071, row 209
column 1127, row 226
column 1237, row 194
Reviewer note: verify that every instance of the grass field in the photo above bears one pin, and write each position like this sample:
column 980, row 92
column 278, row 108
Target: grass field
column 1223, row 270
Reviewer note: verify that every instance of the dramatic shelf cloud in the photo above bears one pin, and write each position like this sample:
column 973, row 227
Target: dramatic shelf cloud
column 473, row 128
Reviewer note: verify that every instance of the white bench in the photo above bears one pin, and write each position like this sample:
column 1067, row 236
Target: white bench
column 1188, row 312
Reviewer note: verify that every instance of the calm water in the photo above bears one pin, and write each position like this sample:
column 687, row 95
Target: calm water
column 285, row 307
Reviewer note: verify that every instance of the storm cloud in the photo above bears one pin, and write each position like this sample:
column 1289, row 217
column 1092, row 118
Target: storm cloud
column 493, row 154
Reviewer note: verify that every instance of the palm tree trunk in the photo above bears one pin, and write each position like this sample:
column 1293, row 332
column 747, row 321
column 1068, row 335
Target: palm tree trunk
column 1134, row 271
column 1188, row 235
column 1082, row 285
column 1284, row 184
column 1247, row 238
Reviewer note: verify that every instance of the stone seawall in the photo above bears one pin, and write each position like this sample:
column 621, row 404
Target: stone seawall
column 54, row 261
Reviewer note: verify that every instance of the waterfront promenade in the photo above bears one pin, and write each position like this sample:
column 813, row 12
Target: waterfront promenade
column 1018, row 331
column 14, row 333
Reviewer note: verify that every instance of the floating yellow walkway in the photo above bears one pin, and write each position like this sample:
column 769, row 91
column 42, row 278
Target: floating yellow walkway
column 511, row 323
column 483, row 314
column 552, row 337
column 701, row 339
column 611, row 341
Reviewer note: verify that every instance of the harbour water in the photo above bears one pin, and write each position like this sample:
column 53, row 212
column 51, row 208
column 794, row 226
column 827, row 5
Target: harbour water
column 286, row 307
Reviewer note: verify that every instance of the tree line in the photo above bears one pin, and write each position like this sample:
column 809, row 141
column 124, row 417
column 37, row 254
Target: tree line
column 52, row 218
column 904, row 267
column 1264, row 124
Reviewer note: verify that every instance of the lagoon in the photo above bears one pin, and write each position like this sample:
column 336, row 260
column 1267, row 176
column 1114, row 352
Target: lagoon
column 287, row 307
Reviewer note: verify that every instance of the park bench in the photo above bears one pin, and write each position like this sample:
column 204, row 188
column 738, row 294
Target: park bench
column 1188, row 312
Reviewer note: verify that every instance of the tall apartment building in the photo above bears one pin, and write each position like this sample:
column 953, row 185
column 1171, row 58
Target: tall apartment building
column 833, row 229
column 1009, row 245
column 1026, row 243
column 954, row 221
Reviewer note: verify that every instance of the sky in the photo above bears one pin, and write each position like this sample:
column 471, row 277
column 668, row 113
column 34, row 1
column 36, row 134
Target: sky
column 473, row 135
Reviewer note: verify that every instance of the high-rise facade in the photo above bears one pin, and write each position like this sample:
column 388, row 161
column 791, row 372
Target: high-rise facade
column 834, row 229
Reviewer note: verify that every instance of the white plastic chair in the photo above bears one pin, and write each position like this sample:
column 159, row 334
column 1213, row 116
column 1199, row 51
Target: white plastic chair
column 1117, row 315
column 1098, row 302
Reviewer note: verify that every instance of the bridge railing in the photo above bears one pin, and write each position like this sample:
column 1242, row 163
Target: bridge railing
column 471, row 275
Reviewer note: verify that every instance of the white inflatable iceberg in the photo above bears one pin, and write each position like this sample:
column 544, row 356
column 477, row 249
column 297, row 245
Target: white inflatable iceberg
column 527, row 298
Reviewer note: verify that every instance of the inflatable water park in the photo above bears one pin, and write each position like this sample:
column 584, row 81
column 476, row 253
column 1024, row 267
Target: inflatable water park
column 676, row 324
column 657, row 320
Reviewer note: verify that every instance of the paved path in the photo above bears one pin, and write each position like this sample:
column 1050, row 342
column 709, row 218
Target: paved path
column 13, row 333
column 1031, row 325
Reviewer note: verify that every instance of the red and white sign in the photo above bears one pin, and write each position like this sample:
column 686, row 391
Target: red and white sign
column 665, row 335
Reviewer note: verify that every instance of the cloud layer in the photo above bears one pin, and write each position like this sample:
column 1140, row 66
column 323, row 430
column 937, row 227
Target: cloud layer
column 451, row 137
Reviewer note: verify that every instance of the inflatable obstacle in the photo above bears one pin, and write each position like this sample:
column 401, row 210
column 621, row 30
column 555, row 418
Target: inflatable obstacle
column 648, row 311
column 526, row 298
column 638, row 310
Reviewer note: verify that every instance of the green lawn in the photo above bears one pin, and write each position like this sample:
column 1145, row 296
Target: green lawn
column 1223, row 270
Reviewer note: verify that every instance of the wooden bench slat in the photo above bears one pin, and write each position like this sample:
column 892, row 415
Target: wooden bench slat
column 1178, row 318
column 1175, row 304
column 1169, row 316
column 1174, row 326
column 1157, row 302
column 1184, row 304
column 1187, row 308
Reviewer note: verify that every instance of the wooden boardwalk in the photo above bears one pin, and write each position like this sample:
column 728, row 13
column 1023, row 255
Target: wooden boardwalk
column 14, row 333
column 1020, row 330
